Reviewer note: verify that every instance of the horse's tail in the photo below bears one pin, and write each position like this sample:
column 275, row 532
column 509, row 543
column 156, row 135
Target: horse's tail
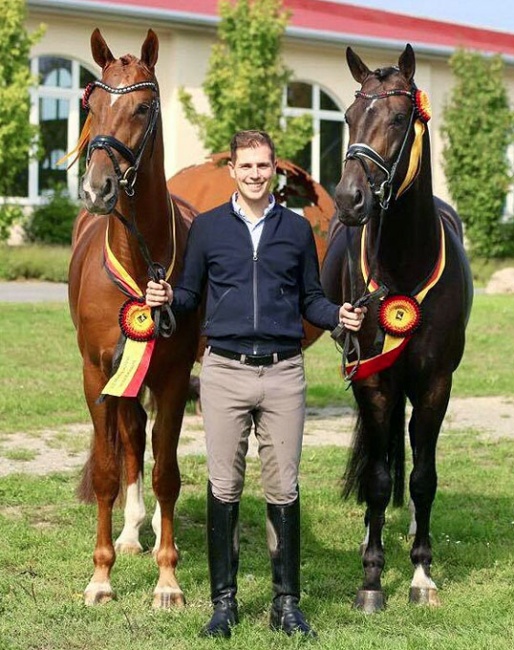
column 85, row 490
column 355, row 475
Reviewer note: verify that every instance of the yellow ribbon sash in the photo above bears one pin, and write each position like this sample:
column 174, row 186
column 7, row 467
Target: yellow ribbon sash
column 138, row 331
column 393, row 344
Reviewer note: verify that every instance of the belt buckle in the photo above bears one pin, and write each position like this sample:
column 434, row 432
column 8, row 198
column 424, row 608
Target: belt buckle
column 258, row 360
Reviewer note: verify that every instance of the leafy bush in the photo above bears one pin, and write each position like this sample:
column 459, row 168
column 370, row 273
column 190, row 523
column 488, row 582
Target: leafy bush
column 478, row 129
column 52, row 222
column 9, row 214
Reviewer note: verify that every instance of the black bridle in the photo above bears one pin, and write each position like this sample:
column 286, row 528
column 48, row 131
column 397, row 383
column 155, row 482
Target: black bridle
column 164, row 319
column 363, row 152
column 108, row 143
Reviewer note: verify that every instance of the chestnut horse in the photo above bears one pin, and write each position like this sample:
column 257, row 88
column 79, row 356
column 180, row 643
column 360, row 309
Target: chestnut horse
column 393, row 236
column 130, row 227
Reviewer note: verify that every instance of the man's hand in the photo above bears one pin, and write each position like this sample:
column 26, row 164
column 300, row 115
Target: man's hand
column 350, row 317
column 158, row 293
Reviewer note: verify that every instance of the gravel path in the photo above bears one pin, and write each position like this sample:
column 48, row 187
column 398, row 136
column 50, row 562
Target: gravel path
column 33, row 291
column 46, row 451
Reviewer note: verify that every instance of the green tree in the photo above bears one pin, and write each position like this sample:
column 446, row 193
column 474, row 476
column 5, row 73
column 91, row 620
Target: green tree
column 478, row 128
column 246, row 79
column 17, row 136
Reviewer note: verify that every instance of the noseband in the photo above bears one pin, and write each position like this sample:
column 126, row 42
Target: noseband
column 362, row 152
column 126, row 179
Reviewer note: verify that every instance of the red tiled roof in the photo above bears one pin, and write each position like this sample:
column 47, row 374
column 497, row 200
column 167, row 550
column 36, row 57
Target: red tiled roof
column 384, row 25
column 326, row 20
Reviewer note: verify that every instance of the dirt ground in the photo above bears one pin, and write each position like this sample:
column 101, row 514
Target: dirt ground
column 47, row 451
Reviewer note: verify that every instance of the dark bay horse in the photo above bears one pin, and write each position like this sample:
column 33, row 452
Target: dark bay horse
column 391, row 235
column 130, row 224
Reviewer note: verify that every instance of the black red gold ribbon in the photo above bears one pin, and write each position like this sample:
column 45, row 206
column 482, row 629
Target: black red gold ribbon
column 396, row 309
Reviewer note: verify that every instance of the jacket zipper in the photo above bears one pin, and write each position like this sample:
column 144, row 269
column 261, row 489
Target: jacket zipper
column 255, row 301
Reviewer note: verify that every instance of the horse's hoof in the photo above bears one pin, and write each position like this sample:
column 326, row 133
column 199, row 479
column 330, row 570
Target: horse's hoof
column 166, row 598
column 98, row 596
column 127, row 548
column 370, row 601
column 424, row 596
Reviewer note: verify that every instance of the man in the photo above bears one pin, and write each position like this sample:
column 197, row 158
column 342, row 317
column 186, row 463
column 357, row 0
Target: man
column 258, row 262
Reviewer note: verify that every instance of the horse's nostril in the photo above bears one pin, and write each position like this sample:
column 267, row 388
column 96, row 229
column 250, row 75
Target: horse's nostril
column 108, row 188
column 358, row 199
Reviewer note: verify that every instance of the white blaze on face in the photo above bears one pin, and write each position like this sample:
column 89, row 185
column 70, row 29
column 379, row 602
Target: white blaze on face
column 372, row 104
column 86, row 185
column 115, row 96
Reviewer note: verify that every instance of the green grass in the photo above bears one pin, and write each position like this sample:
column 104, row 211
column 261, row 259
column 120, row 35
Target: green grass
column 48, row 541
column 47, row 537
column 34, row 262
column 41, row 377
column 40, row 368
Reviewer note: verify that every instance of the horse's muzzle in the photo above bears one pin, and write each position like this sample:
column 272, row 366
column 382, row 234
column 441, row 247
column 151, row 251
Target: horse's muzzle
column 99, row 199
column 352, row 219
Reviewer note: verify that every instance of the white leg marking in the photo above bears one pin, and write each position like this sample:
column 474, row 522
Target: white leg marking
column 421, row 580
column 134, row 515
column 156, row 525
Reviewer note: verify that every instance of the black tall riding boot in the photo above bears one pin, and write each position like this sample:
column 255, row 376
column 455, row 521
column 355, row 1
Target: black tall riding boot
column 283, row 531
column 223, row 553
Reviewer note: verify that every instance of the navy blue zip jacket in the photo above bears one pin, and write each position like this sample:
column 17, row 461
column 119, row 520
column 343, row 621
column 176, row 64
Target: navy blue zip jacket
column 255, row 301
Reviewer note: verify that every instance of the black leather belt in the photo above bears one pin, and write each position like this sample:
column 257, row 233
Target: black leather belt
column 256, row 359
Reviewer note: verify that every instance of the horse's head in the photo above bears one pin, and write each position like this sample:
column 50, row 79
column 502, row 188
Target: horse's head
column 123, row 114
column 381, row 121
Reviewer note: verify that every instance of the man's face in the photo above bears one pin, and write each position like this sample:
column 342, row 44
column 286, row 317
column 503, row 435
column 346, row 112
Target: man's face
column 253, row 171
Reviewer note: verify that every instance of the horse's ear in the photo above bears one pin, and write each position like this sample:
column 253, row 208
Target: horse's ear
column 407, row 63
column 150, row 50
column 357, row 66
column 100, row 50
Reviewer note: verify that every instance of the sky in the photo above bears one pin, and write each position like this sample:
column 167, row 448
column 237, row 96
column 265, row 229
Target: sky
column 491, row 14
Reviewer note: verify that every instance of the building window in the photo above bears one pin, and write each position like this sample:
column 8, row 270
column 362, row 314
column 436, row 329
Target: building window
column 56, row 107
column 322, row 157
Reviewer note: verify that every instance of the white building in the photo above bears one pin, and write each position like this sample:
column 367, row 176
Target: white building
column 314, row 48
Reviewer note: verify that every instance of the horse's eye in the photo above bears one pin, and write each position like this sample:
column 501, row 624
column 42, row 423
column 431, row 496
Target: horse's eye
column 399, row 120
column 142, row 109
column 346, row 119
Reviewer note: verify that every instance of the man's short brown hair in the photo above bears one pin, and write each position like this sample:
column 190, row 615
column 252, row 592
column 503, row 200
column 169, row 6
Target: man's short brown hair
column 246, row 139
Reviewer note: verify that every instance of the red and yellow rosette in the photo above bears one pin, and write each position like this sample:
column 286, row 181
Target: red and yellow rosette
column 136, row 320
column 399, row 316
column 422, row 104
